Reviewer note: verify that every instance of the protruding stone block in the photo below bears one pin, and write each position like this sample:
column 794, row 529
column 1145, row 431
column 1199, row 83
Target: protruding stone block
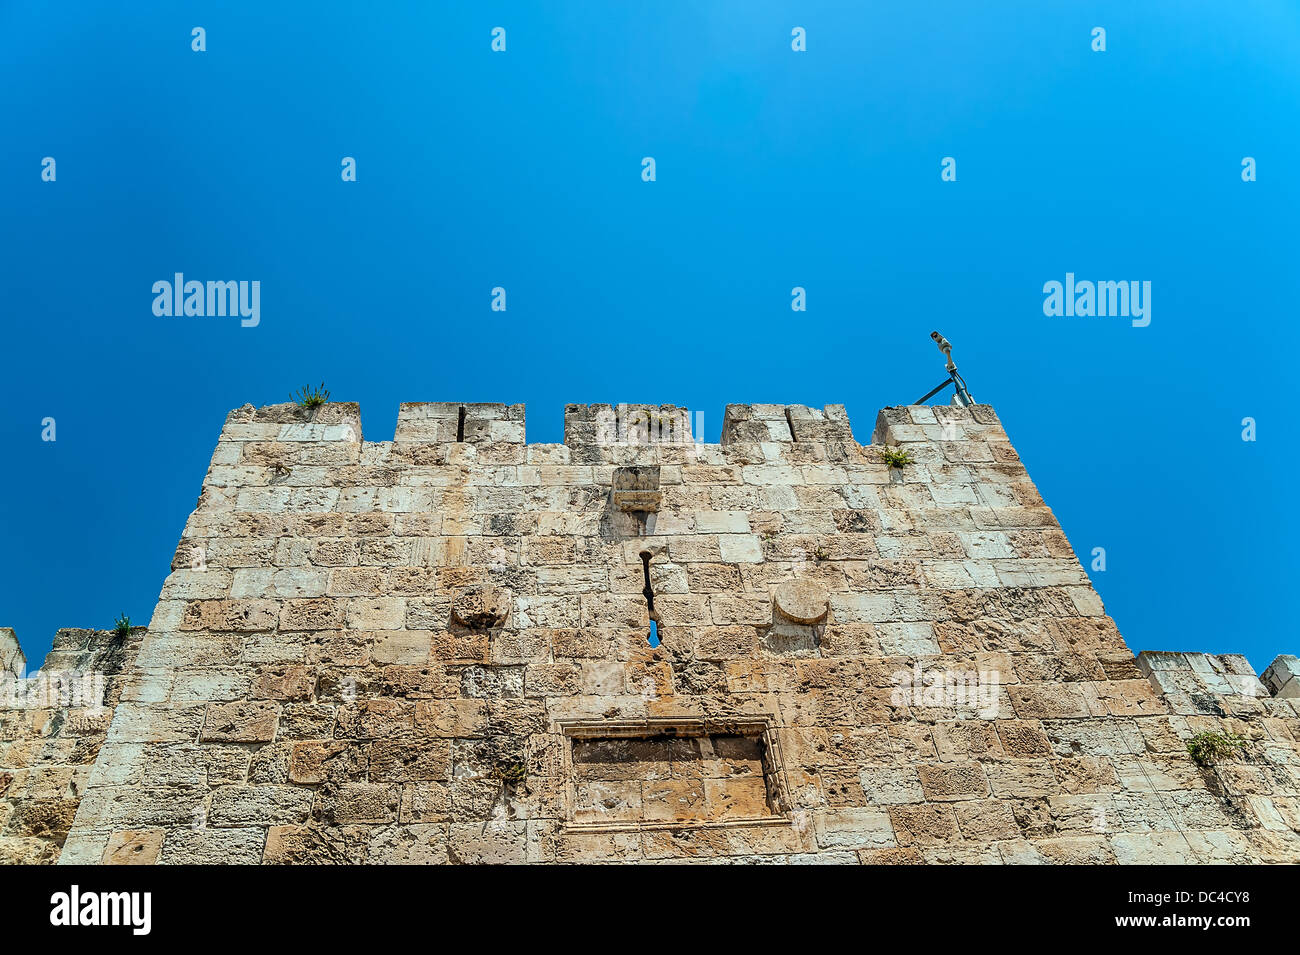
column 803, row 601
column 636, row 489
column 1283, row 677
column 12, row 659
column 481, row 607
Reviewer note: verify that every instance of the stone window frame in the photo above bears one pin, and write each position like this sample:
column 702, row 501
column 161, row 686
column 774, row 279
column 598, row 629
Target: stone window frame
column 761, row 726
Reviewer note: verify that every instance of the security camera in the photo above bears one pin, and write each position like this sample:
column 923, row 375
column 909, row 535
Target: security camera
column 962, row 397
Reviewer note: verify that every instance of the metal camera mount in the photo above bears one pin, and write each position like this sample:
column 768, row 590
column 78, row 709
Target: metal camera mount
column 962, row 396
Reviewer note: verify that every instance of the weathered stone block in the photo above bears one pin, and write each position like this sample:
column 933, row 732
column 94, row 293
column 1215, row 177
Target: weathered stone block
column 854, row 829
column 259, row 805
column 636, row 489
column 241, row 722
column 483, row 606
column 133, row 847
column 1283, row 677
column 237, row 615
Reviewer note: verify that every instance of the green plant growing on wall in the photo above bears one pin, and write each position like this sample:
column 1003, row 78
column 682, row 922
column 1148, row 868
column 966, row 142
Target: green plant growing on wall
column 894, row 457
column 310, row 398
column 122, row 626
column 1208, row 748
column 510, row 772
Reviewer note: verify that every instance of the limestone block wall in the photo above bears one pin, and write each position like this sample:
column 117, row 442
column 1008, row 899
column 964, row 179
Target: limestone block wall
column 13, row 662
column 1119, row 752
column 460, row 647
column 52, row 724
column 1258, row 786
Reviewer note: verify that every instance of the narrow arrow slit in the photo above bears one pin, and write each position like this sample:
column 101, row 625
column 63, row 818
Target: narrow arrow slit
column 654, row 639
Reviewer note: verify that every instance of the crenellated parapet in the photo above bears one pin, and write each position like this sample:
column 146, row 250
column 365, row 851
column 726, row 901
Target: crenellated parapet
column 479, row 424
column 601, row 433
column 759, row 423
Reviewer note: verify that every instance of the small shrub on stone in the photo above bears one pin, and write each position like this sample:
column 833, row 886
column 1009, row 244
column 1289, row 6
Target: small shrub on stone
column 1207, row 748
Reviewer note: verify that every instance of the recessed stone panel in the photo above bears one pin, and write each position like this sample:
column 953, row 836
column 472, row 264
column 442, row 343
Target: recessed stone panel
column 669, row 773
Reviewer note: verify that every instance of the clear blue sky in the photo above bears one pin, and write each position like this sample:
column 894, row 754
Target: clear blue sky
column 774, row 169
